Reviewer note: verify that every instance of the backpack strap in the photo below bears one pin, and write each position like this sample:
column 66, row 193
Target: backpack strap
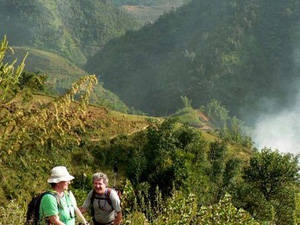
column 106, row 198
column 91, row 204
column 70, row 203
column 58, row 202
column 59, row 205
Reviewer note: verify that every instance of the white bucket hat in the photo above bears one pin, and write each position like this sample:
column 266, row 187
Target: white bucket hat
column 58, row 174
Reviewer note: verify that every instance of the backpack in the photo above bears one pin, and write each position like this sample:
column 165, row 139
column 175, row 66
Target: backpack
column 33, row 208
column 106, row 198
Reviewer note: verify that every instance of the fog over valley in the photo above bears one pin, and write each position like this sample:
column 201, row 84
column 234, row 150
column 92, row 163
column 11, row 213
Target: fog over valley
column 279, row 131
column 279, row 127
column 190, row 107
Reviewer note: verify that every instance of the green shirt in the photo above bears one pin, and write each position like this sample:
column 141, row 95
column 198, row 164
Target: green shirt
column 52, row 204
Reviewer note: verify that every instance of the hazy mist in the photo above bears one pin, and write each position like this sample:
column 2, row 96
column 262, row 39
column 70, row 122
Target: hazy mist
column 279, row 129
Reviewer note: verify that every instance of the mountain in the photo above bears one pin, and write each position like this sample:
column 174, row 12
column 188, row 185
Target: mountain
column 240, row 53
column 61, row 73
column 144, row 157
column 74, row 29
column 147, row 11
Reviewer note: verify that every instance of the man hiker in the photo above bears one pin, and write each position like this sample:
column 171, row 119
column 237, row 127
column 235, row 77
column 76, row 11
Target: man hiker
column 102, row 202
column 58, row 206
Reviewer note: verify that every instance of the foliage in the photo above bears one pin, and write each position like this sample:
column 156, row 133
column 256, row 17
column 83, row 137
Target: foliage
column 186, row 102
column 230, row 129
column 13, row 213
column 40, row 129
column 271, row 177
column 72, row 29
column 224, row 212
column 33, row 81
column 271, row 171
column 179, row 209
column 165, row 163
column 9, row 75
column 218, row 114
column 148, row 11
column 172, row 155
column 191, row 117
column 183, row 209
column 232, row 51
column 145, row 2
column 297, row 206
column 60, row 73
column 159, row 159
column 52, row 122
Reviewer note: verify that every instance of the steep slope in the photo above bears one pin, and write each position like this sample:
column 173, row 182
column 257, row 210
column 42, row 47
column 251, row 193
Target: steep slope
column 74, row 29
column 61, row 73
column 236, row 52
column 148, row 11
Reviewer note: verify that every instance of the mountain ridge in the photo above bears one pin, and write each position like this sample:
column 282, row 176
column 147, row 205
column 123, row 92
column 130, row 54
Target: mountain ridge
column 69, row 28
column 61, row 74
column 205, row 50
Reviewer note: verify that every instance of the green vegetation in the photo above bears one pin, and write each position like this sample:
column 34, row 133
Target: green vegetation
column 73, row 29
column 60, row 73
column 148, row 11
column 169, row 172
column 236, row 52
column 148, row 2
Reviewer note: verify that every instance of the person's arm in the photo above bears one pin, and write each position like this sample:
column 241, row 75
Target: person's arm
column 116, row 205
column 55, row 220
column 86, row 205
column 118, row 218
column 82, row 210
column 77, row 210
column 79, row 214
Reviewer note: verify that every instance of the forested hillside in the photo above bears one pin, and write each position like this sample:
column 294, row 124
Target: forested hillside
column 238, row 52
column 213, row 54
column 60, row 73
column 148, row 11
column 73, row 29
column 149, row 2
column 168, row 172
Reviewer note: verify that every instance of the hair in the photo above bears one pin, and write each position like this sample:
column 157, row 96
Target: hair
column 53, row 185
column 100, row 175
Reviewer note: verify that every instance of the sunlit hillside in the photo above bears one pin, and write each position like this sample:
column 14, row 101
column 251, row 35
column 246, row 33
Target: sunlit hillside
column 242, row 53
column 73, row 29
column 61, row 73
column 173, row 160
column 149, row 13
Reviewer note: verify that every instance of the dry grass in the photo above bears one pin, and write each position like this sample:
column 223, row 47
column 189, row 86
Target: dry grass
column 101, row 123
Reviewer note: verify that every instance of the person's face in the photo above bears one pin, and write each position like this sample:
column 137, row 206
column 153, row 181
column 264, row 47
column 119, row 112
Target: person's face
column 99, row 186
column 63, row 185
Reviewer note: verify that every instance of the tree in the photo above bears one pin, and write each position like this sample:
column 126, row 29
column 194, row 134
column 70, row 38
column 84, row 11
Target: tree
column 217, row 113
column 38, row 131
column 273, row 175
column 38, row 126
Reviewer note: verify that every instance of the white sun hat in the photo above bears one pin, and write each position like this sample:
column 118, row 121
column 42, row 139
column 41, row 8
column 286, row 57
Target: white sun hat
column 58, row 174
